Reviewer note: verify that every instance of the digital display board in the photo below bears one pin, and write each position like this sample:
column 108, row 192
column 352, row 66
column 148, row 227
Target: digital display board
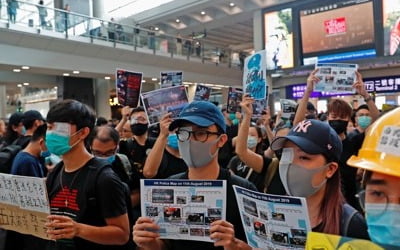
column 278, row 37
column 338, row 27
column 391, row 27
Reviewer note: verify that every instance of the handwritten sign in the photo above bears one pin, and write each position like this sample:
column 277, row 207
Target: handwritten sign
column 24, row 204
column 254, row 76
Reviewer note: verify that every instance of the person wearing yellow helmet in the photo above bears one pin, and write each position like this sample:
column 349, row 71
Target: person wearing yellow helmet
column 380, row 156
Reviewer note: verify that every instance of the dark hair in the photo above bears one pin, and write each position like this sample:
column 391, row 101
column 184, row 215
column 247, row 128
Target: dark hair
column 14, row 120
column 259, row 147
column 39, row 133
column 340, row 107
column 137, row 109
column 73, row 112
column 104, row 134
column 101, row 121
column 364, row 106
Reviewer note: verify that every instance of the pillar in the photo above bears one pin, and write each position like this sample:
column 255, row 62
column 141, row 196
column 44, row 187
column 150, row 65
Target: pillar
column 102, row 96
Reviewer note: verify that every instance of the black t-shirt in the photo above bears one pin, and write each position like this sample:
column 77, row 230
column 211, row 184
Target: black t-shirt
column 232, row 212
column 137, row 155
column 239, row 168
column 357, row 227
column 347, row 173
column 72, row 200
column 170, row 165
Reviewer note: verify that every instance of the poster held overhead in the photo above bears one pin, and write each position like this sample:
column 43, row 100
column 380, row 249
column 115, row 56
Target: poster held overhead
column 234, row 98
column 158, row 102
column 202, row 93
column 128, row 86
column 336, row 77
column 254, row 76
column 288, row 107
column 171, row 78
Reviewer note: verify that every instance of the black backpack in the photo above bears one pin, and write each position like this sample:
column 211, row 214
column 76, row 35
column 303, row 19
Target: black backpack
column 7, row 155
column 95, row 168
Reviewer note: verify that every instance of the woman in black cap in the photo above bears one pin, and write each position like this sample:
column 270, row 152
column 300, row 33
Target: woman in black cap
column 15, row 128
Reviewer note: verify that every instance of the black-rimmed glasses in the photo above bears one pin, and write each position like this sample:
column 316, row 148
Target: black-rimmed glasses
column 198, row 135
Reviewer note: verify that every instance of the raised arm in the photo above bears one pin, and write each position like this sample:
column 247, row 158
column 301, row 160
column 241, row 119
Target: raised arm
column 250, row 158
column 125, row 112
column 155, row 156
column 302, row 108
column 359, row 86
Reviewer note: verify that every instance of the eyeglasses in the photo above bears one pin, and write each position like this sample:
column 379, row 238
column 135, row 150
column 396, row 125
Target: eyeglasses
column 104, row 154
column 374, row 197
column 199, row 135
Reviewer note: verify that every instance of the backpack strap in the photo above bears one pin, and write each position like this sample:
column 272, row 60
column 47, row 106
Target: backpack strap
column 348, row 212
column 52, row 177
column 272, row 167
column 126, row 164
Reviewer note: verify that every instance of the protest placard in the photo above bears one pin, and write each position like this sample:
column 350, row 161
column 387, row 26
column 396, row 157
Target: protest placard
column 254, row 76
column 234, row 98
column 158, row 102
column 128, row 86
column 171, row 78
column 288, row 107
column 202, row 93
column 24, row 204
column 184, row 209
column 331, row 242
column 273, row 221
column 335, row 77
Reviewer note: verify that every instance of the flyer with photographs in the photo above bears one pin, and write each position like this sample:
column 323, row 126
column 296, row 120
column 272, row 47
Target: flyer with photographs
column 259, row 106
column 336, row 77
column 171, row 78
column 273, row 221
column 288, row 107
column 184, row 209
column 255, row 76
column 158, row 102
column 234, row 98
column 128, row 85
column 202, row 93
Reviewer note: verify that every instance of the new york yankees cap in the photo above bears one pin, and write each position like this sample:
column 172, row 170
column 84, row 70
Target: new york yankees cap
column 313, row 137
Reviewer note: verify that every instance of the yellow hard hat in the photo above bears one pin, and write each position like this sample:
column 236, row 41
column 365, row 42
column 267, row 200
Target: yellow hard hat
column 380, row 151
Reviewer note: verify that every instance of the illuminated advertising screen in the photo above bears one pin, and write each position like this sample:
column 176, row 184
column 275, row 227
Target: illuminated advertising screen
column 278, row 37
column 391, row 27
column 338, row 27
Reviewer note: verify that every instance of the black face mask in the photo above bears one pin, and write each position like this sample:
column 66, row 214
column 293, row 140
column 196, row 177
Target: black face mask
column 139, row 128
column 339, row 125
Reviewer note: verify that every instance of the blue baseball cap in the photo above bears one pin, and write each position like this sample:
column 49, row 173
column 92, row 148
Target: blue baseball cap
column 313, row 137
column 200, row 113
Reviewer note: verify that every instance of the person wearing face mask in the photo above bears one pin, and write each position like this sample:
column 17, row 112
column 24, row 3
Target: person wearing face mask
column 28, row 163
column 227, row 151
column 379, row 158
column 362, row 120
column 79, row 218
column 164, row 159
column 137, row 149
column 261, row 165
column 238, row 167
column 309, row 168
column 339, row 115
column 201, row 131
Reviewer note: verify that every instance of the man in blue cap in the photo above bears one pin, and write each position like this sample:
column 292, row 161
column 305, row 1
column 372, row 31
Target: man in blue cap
column 201, row 131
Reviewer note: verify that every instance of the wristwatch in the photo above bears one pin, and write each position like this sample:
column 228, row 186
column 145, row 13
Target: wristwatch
column 369, row 98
